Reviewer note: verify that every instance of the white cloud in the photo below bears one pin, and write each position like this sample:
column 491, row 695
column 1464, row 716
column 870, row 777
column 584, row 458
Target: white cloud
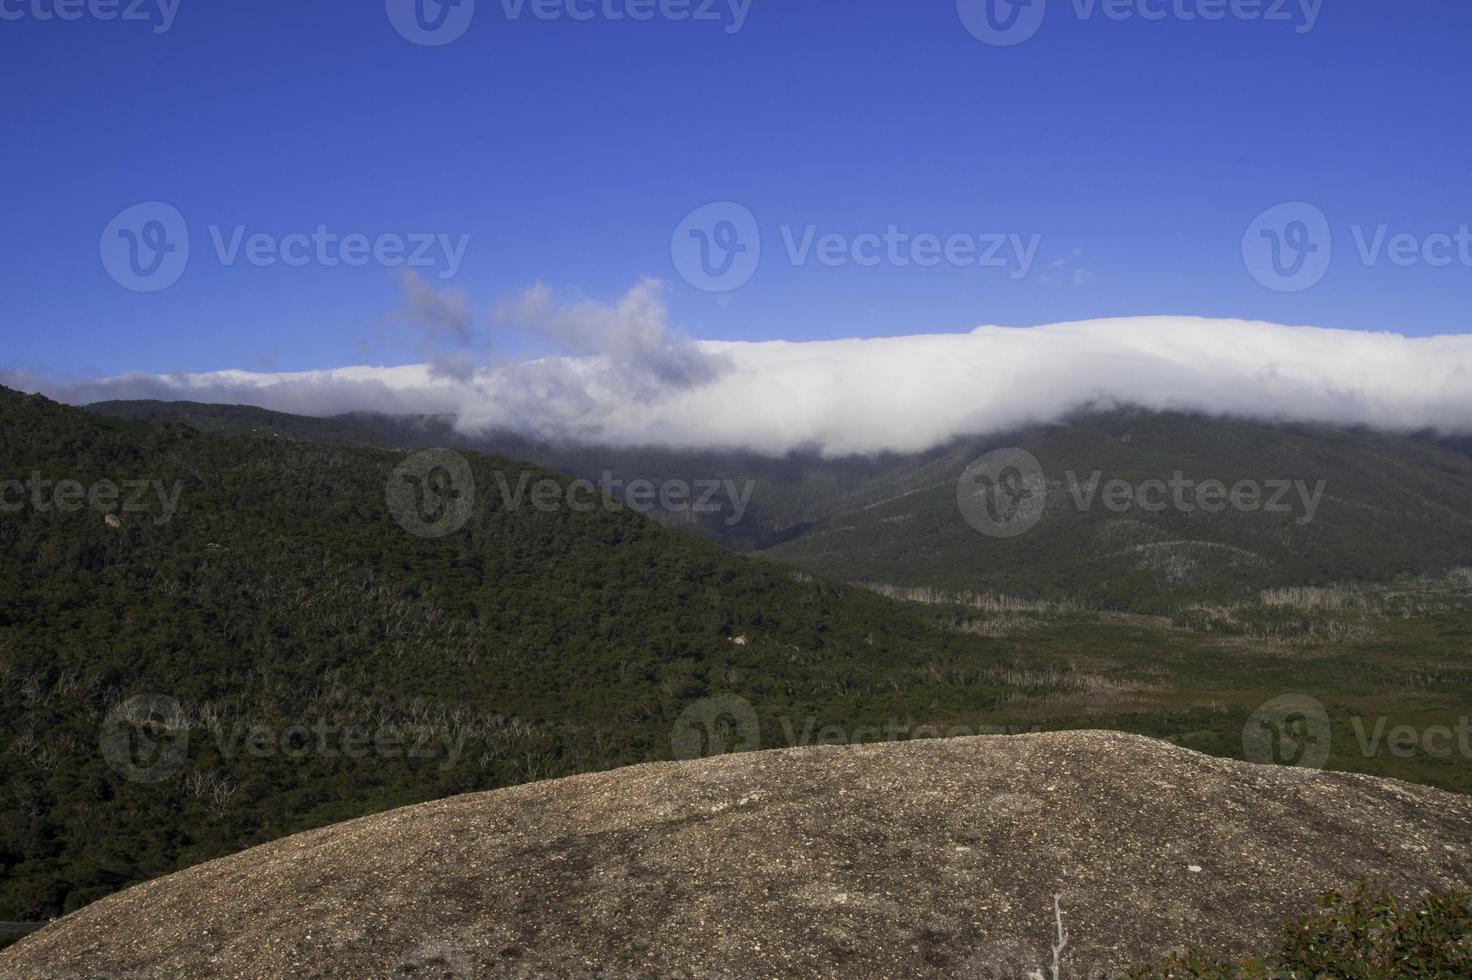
column 442, row 317
column 633, row 337
column 630, row 381
column 1068, row 270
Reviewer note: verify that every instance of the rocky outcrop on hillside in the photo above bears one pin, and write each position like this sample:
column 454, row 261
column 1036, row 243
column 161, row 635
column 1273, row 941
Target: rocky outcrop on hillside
column 931, row 858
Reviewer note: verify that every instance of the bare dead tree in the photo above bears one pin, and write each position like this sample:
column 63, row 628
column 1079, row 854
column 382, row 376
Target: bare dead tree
column 1058, row 947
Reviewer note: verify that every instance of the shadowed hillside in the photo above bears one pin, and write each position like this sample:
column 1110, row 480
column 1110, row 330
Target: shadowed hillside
column 1335, row 505
column 273, row 650
column 1318, row 506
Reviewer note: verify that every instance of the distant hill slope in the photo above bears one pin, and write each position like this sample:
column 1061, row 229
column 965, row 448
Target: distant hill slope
column 1390, row 506
column 791, row 491
column 259, row 620
column 933, row 859
column 245, row 420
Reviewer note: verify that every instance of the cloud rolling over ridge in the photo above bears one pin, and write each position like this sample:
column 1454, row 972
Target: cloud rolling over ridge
column 627, row 380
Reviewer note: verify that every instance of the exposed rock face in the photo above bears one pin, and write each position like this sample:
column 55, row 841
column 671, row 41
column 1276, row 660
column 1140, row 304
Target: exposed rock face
column 935, row 858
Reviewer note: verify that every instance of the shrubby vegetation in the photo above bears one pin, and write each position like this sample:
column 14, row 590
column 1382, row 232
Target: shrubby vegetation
column 1392, row 506
column 1363, row 934
column 282, row 596
column 282, row 607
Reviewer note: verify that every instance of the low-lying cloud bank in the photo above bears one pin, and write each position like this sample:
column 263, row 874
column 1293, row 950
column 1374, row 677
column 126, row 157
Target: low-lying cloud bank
column 860, row 396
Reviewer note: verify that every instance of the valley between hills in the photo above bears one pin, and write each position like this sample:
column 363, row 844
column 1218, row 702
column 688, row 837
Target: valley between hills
column 267, row 628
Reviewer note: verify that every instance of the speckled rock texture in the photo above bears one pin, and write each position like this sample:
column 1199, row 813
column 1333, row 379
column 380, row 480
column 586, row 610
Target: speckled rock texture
column 926, row 858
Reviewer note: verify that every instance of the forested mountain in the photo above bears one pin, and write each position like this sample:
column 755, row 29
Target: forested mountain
column 246, row 420
column 1335, row 505
column 259, row 592
column 214, row 640
column 1317, row 506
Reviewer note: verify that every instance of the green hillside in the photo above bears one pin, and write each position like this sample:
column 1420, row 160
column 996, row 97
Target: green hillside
column 1390, row 505
column 245, row 420
column 1355, row 506
column 790, row 492
column 271, row 650
column 279, row 592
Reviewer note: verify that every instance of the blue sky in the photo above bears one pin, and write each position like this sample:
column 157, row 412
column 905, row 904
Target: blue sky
column 1134, row 152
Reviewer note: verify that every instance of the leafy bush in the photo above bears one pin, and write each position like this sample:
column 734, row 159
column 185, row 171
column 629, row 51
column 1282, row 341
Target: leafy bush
column 1366, row 934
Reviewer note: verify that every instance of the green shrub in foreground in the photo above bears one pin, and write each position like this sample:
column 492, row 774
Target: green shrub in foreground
column 1365, row 935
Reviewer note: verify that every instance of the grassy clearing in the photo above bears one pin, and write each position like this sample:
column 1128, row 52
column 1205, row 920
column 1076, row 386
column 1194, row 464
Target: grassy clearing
column 1391, row 665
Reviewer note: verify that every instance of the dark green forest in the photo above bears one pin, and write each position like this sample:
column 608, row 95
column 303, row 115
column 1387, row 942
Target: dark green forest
column 1391, row 505
column 271, row 650
column 281, row 595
